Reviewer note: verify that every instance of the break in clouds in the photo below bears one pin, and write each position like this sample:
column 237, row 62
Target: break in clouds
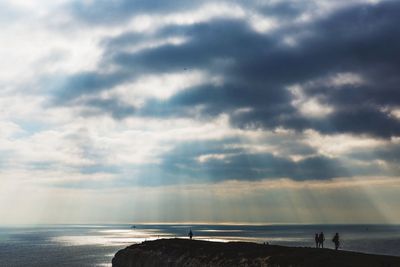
column 168, row 92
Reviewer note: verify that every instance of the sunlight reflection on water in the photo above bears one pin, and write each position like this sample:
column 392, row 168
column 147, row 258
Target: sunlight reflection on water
column 110, row 238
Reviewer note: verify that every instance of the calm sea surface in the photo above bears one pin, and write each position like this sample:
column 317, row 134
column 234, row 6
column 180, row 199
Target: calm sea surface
column 95, row 245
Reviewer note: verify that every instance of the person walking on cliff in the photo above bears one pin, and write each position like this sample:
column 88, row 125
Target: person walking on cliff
column 316, row 240
column 336, row 241
column 321, row 239
column 190, row 234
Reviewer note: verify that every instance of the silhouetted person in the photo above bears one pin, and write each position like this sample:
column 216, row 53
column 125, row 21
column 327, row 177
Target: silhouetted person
column 190, row 234
column 336, row 241
column 316, row 240
column 321, row 239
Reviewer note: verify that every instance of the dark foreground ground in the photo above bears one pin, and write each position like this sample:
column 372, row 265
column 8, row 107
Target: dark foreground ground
column 183, row 252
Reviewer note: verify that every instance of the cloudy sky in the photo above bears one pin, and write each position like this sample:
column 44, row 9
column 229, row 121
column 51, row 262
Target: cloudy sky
column 260, row 111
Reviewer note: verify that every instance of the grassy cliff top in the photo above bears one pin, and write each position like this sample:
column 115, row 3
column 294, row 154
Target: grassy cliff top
column 184, row 252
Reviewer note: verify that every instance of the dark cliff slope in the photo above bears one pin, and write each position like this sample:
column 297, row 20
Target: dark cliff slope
column 182, row 252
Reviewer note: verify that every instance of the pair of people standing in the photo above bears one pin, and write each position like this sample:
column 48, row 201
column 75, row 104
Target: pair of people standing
column 320, row 238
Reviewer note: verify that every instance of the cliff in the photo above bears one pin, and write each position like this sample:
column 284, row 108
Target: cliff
column 183, row 252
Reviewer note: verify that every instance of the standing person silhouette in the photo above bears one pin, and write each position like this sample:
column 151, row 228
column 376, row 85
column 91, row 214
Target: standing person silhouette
column 190, row 234
column 321, row 239
column 316, row 240
column 336, row 241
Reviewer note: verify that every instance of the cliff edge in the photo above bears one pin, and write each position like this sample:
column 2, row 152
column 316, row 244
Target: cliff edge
column 193, row 253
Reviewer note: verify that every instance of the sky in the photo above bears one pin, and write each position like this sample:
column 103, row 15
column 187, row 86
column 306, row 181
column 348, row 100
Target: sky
column 256, row 111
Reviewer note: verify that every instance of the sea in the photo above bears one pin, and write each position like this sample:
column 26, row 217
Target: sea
column 95, row 245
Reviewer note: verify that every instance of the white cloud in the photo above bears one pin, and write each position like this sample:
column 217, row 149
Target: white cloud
column 346, row 78
column 207, row 157
column 161, row 86
column 308, row 106
column 262, row 24
column 339, row 144
column 149, row 23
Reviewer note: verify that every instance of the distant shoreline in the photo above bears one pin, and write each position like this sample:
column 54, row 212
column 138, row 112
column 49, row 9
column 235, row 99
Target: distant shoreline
column 184, row 252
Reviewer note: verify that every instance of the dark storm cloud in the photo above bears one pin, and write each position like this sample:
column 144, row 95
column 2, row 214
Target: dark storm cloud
column 182, row 164
column 208, row 43
column 363, row 40
column 257, row 68
column 87, row 83
column 362, row 120
column 217, row 99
